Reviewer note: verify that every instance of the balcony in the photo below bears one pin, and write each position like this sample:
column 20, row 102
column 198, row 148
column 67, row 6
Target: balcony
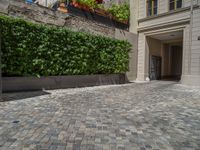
column 113, row 14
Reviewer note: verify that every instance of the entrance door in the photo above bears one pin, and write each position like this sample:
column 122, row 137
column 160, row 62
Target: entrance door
column 155, row 68
column 176, row 62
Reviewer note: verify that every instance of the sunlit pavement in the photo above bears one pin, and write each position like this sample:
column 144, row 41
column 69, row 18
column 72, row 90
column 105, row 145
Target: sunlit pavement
column 156, row 115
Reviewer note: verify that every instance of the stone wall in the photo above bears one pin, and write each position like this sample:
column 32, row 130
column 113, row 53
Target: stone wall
column 40, row 14
column 133, row 39
column 33, row 13
column 83, row 24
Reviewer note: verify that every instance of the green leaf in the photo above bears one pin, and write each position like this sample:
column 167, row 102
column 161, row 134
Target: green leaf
column 40, row 50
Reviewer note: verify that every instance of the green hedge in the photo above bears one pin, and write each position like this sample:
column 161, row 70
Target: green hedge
column 40, row 50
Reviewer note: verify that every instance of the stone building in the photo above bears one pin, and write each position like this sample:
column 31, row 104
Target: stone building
column 168, row 39
column 165, row 35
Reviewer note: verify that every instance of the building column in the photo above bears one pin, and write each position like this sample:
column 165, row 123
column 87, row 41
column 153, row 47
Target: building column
column 186, row 48
column 133, row 16
column 143, row 59
column 191, row 53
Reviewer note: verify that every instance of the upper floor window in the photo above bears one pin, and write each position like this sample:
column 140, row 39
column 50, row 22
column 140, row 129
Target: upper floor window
column 175, row 4
column 152, row 7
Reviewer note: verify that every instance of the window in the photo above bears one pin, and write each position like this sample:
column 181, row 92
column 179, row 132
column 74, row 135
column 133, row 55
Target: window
column 152, row 7
column 175, row 4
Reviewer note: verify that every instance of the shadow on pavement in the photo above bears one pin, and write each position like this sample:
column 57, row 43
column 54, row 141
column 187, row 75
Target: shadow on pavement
column 22, row 95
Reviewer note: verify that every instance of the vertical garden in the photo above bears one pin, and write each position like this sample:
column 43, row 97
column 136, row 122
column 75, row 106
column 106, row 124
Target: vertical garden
column 39, row 50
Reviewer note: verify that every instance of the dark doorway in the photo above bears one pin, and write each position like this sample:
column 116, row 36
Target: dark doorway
column 176, row 62
column 155, row 68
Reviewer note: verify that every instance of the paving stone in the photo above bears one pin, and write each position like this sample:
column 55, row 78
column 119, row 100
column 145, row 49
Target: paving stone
column 157, row 115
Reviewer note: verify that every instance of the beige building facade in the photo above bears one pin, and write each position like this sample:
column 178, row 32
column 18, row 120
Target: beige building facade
column 168, row 39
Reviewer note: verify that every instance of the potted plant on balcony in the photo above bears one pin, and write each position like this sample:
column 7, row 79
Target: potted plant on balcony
column 62, row 7
column 87, row 5
column 117, row 15
column 120, row 12
column 75, row 7
column 75, row 4
column 100, row 10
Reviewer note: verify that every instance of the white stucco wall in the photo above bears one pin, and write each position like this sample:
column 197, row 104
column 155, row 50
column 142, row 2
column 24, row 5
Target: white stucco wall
column 169, row 23
column 195, row 48
column 163, row 6
column 191, row 68
column 141, row 65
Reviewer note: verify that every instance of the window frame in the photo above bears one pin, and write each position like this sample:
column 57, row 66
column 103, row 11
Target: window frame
column 152, row 8
column 175, row 5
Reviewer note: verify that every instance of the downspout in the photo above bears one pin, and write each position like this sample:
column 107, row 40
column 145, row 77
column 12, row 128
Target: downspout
column 190, row 45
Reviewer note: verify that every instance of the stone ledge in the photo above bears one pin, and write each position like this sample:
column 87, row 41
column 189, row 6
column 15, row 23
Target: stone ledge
column 11, row 84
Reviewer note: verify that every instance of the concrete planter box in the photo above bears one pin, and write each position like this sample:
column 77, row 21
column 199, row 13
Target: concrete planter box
column 11, row 84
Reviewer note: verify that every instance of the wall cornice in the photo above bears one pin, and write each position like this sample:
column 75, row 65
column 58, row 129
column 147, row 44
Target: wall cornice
column 165, row 25
column 167, row 13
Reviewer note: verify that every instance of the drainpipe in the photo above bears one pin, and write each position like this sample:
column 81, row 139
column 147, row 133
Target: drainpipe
column 190, row 45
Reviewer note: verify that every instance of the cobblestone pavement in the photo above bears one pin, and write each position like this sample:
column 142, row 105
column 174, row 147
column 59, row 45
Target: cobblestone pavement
column 157, row 115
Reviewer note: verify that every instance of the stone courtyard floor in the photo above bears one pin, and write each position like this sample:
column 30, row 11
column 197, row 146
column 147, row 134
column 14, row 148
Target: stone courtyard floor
column 158, row 115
